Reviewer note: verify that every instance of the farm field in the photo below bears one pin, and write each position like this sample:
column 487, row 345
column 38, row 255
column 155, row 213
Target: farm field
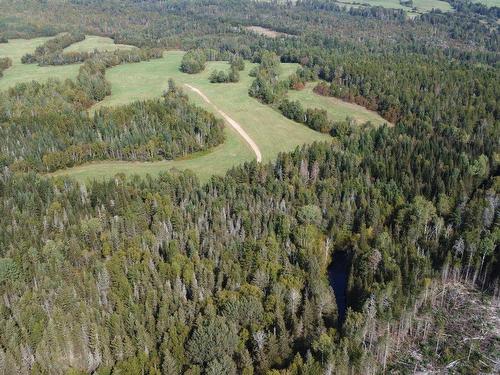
column 337, row 109
column 18, row 72
column 488, row 3
column 272, row 132
column 421, row 6
column 94, row 42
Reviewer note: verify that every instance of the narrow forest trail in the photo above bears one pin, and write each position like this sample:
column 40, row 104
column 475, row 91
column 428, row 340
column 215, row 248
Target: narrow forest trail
column 231, row 122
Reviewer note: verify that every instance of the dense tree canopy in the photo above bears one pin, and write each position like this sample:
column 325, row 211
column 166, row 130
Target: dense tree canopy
column 167, row 275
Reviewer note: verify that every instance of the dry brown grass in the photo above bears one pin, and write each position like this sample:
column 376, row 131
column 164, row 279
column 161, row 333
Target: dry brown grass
column 266, row 32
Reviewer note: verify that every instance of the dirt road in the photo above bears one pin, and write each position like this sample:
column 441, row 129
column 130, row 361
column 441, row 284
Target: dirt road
column 231, row 122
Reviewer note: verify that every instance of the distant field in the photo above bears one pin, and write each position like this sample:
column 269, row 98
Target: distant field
column 422, row 6
column 19, row 72
column 489, row 3
column 336, row 108
column 99, row 43
column 265, row 31
column 271, row 131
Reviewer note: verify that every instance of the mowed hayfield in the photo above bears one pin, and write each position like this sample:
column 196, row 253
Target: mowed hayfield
column 337, row 109
column 272, row 132
column 18, row 72
column 99, row 43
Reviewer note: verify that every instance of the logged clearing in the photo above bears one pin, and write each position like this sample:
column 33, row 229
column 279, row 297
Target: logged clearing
column 265, row 31
column 18, row 72
column 99, row 43
column 337, row 109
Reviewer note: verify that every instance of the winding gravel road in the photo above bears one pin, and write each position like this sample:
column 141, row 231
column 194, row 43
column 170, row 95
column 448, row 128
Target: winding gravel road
column 231, row 122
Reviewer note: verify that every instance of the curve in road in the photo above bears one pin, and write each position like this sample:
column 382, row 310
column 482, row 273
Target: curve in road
column 231, row 122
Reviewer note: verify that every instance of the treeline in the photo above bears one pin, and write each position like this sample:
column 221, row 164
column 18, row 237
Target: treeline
column 51, row 52
column 465, row 6
column 194, row 60
column 270, row 89
column 314, row 118
column 236, row 63
column 267, row 86
column 48, row 140
column 175, row 25
column 410, row 89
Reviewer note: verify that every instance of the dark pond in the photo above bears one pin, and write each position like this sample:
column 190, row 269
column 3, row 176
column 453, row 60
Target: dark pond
column 337, row 275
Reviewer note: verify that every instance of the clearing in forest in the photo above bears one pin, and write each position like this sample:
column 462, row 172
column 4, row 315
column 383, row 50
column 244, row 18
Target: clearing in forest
column 231, row 123
column 271, row 132
column 19, row 72
column 337, row 109
column 267, row 128
column 488, row 3
column 265, row 31
column 94, row 42
column 413, row 7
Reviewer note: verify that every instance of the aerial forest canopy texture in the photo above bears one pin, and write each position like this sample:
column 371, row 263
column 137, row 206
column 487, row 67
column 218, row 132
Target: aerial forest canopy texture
column 374, row 250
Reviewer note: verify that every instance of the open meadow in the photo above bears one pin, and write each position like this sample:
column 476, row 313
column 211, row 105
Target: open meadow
column 418, row 7
column 271, row 132
column 99, row 43
column 18, row 72
column 337, row 109
column 488, row 3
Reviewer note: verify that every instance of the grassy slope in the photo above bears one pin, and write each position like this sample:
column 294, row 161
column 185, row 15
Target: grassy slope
column 337, row 109
column 19, row 72
column 269, row 129
column 93, row 42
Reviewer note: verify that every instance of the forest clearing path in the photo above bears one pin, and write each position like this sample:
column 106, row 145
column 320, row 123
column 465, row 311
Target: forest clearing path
column 231, row 122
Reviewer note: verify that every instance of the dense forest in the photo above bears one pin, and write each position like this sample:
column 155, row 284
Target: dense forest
column 167, row 275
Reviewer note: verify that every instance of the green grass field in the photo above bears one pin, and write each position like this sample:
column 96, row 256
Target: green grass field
column 19, row 72
column 205, row 164
column 488, row 3
column 337, row 109
column 271, row 131
column 422, row 6
column 94, row 42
